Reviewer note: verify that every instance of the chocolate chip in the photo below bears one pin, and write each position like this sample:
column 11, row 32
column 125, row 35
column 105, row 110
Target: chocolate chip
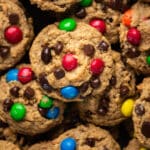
column 59, row 73
column 102, row 110
column 113, row 81
column 44, row 83
column 139, row 109
column 13, row 19
column 84, row 87
column 104, row 102
column 88, row 114
column 103, row 46
column 58, row 47
column 29, row 93
column 98, row 1
column 90, row 142
column 3, row 124
column 7, row 104
column 89, row 50
column 132, row 52
column 81, row 13
column 4, row 51
column 46, row 55
column 42, row 111
column 147, row 99
column 124, row 90
column 95, row 82
column 14, row 91
column 146, row 129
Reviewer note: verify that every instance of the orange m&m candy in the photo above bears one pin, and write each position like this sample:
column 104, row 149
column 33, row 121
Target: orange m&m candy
column 127, row 17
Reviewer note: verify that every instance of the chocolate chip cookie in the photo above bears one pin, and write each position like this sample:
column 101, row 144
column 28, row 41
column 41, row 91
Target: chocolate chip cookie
column 101, row 17
column 135, row 37
column 8, row 145
column 24, row 106
column 141, row 114
column 82, row 138
column 105, row 110
column 54, row 5
column 16, row 33
column 71, row 60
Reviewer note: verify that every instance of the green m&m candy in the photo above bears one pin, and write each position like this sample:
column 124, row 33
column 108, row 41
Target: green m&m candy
column 85, row 3
column 46, row 102
column 68, row 24
column 148, row 60
column 17, row 111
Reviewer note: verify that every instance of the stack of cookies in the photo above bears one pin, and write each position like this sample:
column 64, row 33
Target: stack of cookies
column 75, row 75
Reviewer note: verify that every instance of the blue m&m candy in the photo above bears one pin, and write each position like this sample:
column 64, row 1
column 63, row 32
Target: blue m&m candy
column 53, row 113
column 12, row 75
column 68, row 144
column 69, row 92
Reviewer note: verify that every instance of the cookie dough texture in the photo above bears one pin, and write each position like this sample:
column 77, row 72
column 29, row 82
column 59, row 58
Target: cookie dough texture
column 12, row 14
column 141, row 114
column 78, row 42
column 106, row 110
column 56, row 5
column 8, row 145
column 109, row 16
column 34, row 122
column 100, row 138
column 136, row 55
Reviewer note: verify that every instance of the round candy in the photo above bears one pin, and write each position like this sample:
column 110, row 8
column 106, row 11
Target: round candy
column 18, row 111
column 127, row 107
column 69, row 92
column 12, row 75
column 99, row 25
column 134, row 36
column 68, row 24
column 46, row 102
column 69, row 62
column 97, row 66
column 53, row 113
column 68, row 144
column 13, row 34
column 25, row 75
column 85, row 3
column 148, row 60
column 126, row 18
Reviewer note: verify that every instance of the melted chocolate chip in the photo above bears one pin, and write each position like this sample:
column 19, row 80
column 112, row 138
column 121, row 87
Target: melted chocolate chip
column 132, row 52
column 146, row 129
column 84, row 87
column 13, row 19
column 42, row 111
column 95, row 82
column 7, row 104
column 14, row 91
column 46, row 55
column 81, row 13
column 44, row 83
column 4, row 51
column 124, row 90
column 103, row 46
column 90, row 142
column 139, row 109
column 113, row 81
column 58, row 47
column 59, row 73
column 89, row 50
column 29, row 93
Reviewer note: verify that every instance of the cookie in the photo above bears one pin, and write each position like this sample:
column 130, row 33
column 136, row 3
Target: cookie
column 110, row 108
column 24, row 106
column 8, row 145
column 74, row 60
column 82, row 138
column 146, row 1
column 16, row 33
column 141, row 114
column 57, row 6
column 101, row 17
column 135, row 37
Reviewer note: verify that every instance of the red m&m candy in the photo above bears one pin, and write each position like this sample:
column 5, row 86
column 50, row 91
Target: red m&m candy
column 13, row 34
column 97, row 66
column 25, row 75
column 69, row 62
